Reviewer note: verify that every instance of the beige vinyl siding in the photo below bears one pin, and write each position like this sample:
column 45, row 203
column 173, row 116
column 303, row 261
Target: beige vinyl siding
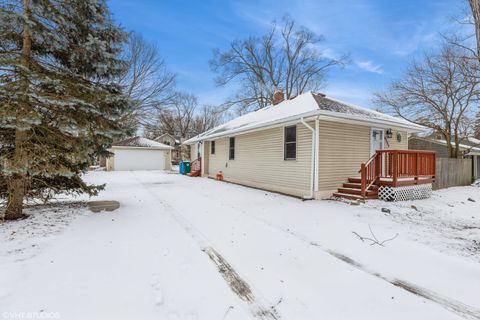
column 259, row 161
column 343, row 148
column 393, row 144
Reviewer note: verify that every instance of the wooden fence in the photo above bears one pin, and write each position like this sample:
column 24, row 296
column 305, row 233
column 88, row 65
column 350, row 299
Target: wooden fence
column 453, row 172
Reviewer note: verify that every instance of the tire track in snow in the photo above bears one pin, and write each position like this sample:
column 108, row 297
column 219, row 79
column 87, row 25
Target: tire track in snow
column 455, row 306
column 450, row 304
column 256, row 305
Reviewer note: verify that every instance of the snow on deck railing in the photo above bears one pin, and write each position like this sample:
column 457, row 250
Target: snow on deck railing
column 398, row 168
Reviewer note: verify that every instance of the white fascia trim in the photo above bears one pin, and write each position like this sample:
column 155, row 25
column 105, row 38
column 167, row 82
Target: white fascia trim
column 409, row 128
column 262, row 126
column 329, row 115
column 141, row 148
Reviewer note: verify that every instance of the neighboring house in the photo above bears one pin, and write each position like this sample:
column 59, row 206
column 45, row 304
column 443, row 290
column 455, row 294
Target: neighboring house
column 167, row 139
column 439, row 146
column 469, row 148
column 139, row 153
column 308, row 147
column 179, row 152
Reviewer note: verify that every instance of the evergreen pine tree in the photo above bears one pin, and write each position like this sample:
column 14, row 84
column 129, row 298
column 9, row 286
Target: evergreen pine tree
column 58, row 102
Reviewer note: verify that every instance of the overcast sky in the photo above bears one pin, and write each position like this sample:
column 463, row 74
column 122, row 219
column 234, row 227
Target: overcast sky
column 380, row 36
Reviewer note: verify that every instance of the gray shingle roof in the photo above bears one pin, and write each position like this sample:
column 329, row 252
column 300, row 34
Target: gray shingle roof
column 140, row 142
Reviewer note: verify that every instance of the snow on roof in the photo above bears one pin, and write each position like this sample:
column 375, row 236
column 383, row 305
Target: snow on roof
column 140, row 142
column 167, row 134
column 461, row 145
column 474, row 140
column 305, row 105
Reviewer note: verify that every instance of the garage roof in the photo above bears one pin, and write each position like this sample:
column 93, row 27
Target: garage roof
column 141, row 142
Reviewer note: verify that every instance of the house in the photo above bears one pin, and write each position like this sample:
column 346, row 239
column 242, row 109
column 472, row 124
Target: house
column 468, row 148
column 167, row 139
column 138, row 153
column 314, row 146
column 179, row 152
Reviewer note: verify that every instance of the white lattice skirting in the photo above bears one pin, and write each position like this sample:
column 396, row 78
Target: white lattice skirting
column 420, row 191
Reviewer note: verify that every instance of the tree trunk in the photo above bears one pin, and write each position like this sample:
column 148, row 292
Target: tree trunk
column 16, row 193
column 18, row 182
column 475, row 7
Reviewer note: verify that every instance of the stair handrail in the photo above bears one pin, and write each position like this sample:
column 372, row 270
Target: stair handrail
column 196, row 164
column 366, row 171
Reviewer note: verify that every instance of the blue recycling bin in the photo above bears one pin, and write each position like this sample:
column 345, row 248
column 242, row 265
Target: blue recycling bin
column 181, row 168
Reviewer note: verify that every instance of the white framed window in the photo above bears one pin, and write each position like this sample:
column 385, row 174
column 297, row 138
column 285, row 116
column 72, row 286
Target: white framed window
column 231, row 149
column 290, row 143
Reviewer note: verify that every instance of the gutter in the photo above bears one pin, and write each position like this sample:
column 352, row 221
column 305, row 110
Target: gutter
column 312, row 168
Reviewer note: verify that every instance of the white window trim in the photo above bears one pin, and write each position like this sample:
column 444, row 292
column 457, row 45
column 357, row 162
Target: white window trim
column 212, row 142
column 371, row 139
column 296, row 142
column 234, row 149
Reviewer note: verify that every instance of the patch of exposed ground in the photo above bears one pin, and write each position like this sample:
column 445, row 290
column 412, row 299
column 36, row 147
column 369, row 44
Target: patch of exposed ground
column 237, row 284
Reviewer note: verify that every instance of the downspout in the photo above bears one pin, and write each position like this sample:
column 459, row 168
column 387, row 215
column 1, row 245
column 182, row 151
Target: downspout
column 312, row 173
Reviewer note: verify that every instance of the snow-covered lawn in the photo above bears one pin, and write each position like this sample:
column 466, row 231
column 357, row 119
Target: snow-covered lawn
column 194, row 248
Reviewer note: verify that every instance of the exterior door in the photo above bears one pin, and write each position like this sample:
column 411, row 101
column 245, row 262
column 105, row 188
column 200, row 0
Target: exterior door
column 376, row 140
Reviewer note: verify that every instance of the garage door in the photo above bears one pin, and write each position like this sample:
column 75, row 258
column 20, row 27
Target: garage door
column 139, row 160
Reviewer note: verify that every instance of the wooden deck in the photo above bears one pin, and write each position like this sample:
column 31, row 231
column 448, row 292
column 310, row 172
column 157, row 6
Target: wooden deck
column 393, row 168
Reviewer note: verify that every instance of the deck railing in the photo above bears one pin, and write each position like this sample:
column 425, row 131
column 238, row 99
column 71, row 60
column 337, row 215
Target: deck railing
column 196, row 165
column 398, row 168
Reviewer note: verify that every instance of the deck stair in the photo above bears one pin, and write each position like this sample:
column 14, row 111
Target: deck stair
column 352, row 189
column 196, row 168
column 390, row 169
column 194, row 173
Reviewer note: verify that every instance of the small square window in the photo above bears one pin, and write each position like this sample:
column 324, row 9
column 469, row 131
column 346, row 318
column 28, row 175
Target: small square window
column 231, row 149
column 290, row 144
column 212, row 147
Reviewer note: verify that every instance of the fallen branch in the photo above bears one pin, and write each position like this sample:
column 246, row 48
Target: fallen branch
column 374, row 240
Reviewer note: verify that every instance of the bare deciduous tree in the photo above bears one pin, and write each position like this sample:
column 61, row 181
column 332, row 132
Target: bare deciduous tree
column 207, row 118
column 439, row 92
column 475, row 8
column 183, row 118
column 147, row 81
column 287, row 57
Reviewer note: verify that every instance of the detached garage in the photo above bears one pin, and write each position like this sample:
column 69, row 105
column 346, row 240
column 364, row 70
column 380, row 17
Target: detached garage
column 139, row 153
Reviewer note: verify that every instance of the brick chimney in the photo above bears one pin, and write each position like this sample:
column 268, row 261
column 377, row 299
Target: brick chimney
column 278, row 97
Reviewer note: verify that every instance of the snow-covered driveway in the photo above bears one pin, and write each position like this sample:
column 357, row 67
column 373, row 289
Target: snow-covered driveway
column 194, row 248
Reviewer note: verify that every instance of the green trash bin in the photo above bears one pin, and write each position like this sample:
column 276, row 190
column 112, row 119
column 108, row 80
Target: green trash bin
column 186, row 167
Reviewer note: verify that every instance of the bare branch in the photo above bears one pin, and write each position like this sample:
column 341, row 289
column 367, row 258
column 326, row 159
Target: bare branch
column 440, row 92
column 374, row 240
column 287, row 57
column 146, row 81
